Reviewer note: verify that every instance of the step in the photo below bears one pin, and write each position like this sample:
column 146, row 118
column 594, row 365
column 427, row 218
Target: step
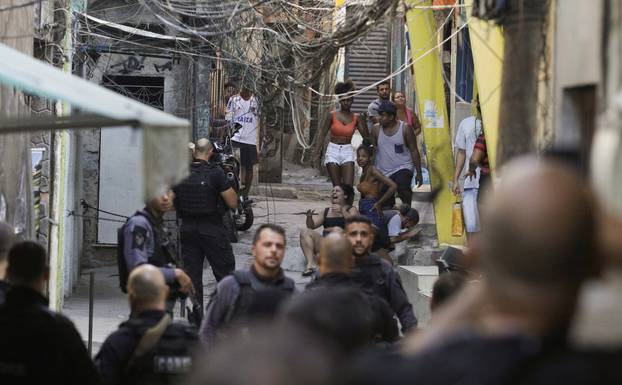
column 418, row 282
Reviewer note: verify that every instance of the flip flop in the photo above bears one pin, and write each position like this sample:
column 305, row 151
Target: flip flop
column 309, row 271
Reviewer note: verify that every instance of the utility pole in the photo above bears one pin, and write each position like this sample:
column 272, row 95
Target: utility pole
column 524, row 23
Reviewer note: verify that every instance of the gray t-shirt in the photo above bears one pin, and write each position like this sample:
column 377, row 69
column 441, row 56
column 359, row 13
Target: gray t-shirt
column 394, row 227
column 372, row 109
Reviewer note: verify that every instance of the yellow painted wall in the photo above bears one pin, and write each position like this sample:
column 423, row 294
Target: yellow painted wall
column 487, row 46
column 430, row 92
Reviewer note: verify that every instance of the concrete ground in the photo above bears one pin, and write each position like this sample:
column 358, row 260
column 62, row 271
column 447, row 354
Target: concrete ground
column 283, row 204
column 110, row 304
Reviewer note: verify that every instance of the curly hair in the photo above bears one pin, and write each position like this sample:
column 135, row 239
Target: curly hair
column 367, row 147
column 344, row 87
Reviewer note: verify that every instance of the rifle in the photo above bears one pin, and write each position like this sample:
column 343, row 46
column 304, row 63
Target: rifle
column 173, row 253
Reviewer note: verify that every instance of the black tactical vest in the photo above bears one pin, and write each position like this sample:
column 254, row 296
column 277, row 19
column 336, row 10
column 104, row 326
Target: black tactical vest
column 169, row 360
column 248, row 288
column 195, row 197
column 373, row 277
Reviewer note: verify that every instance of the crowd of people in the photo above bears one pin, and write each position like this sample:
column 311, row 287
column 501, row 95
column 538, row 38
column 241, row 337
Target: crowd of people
column 504, row 319
column 389, row 159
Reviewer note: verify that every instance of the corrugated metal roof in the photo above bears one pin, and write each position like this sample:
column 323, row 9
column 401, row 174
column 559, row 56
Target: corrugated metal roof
column 367, row 61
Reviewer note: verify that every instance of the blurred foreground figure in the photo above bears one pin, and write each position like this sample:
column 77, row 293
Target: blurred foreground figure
column 37, row 345
column 335, row 307
column 250, row 292
column 537, row 248
column 273, row 355
column 7, row 238
column 149, row 348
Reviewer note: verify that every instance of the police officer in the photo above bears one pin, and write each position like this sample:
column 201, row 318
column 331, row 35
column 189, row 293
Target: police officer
column 198, row 201
column 143, row 239
column 236, row 294
column 149, row 348
column 376, row 274
column 37, row 345
column 335, row 263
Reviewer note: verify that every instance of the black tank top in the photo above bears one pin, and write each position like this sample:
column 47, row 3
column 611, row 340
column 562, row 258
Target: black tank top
column 332, row 222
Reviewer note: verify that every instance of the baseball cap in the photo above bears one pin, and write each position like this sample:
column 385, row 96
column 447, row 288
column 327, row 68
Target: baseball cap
column 388, row 107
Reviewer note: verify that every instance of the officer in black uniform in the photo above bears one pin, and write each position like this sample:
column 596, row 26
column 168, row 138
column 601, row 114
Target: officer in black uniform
column 335, row 264
column 237, row 294
column 149, row 348
column 7, row 238
column 143, row 239
column 199, row 204
column 376, row 274
column 37, row 345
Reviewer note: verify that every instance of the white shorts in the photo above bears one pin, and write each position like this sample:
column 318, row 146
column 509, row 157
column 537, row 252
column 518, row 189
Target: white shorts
column 470, row 210
column 339, row 153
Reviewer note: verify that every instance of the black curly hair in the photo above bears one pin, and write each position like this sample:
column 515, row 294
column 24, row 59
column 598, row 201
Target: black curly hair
column 367, row 147
column 344, row 87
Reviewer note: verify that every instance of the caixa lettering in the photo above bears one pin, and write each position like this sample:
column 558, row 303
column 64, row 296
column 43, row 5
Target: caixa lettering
column 244, row 119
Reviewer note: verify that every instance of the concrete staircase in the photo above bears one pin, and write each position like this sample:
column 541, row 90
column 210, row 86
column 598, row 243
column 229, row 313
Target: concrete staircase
column 418, row 282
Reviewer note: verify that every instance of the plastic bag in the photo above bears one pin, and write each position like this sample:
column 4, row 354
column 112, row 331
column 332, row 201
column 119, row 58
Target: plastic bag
column 426, row 178
column 457, row 223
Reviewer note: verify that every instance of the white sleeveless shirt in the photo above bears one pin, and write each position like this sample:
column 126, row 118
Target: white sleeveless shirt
column 393, row 154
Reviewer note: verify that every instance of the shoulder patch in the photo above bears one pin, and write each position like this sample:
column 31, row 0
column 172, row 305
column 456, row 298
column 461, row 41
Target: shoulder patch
column 139, row 237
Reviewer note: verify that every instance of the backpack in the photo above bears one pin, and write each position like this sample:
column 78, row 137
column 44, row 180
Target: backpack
column 121, row 263
column 163, row 353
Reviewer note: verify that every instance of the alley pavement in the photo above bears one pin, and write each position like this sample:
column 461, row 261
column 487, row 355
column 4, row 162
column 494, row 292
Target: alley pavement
column 283, row 204
column 111, row 306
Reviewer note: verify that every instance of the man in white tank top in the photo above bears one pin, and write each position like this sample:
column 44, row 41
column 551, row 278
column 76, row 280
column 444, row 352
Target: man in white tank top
column 396, row 152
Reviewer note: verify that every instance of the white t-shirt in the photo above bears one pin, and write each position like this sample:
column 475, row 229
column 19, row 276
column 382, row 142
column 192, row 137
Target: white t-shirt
column 468, row 131
column 394, row 227
column 245, row 112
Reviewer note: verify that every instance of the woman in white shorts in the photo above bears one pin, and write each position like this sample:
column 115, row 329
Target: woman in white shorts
column 339, row 158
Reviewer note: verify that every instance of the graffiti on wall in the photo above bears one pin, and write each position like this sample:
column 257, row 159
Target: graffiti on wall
column 129, row 65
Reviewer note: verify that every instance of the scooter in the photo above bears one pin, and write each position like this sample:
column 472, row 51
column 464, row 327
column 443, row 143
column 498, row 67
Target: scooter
column 239, row 219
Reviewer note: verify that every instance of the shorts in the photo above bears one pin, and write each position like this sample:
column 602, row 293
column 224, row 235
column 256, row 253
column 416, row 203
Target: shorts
column 470, row 210
column 403, row 179
column 339, row 153
column 248, row 154
column 365, row 208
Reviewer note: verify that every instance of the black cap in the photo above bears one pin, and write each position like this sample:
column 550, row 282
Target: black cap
column 388, row 107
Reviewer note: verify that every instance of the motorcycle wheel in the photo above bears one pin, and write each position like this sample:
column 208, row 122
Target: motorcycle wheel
column 244, row 220
column 230, row 227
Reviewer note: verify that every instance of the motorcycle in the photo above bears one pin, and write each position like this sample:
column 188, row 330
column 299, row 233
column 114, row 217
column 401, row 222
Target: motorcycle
column 240, row 219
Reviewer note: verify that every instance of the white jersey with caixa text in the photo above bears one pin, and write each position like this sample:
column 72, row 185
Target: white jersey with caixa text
column 246, row 113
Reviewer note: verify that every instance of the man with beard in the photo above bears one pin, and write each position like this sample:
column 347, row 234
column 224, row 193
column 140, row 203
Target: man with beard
column 236, row 297
column 376, row 274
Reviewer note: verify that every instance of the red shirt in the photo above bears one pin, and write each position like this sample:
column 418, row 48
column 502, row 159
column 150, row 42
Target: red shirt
column 480, row 144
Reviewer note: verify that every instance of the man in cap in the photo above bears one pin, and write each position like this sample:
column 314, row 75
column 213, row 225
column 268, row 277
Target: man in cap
column 397, row 154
